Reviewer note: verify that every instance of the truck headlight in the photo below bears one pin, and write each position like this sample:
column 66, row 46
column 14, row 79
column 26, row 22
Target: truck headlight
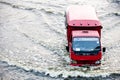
column 73, row 61
column 98, row 62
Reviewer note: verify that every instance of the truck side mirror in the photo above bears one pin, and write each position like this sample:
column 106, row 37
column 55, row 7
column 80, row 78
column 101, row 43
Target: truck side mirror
column 67, row 48
column 104, row 49
column 66, row 27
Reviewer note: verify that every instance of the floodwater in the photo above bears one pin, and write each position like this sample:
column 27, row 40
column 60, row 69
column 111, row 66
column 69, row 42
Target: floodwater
column 33, row 36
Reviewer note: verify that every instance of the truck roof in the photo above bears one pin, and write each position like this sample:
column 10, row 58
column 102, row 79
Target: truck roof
column 85, row 33
column 82, row 16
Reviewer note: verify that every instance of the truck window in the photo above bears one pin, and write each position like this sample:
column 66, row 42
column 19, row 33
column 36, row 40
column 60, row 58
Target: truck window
column 86, row 44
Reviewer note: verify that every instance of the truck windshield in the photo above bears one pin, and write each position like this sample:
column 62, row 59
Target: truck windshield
column 89, row 45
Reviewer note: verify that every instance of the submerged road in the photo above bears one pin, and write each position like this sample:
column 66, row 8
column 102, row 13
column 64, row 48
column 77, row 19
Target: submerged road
column 33, row 39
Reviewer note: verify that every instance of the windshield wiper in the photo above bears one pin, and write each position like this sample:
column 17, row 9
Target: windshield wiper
column 97, row 48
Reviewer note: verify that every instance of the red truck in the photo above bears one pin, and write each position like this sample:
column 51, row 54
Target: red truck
column 83, row 35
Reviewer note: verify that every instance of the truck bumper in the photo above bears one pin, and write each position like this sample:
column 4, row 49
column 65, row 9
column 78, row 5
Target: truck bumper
column 91, row 60
column 86, row 63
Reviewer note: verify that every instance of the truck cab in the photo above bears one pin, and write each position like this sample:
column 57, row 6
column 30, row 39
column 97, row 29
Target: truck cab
column 83, row 36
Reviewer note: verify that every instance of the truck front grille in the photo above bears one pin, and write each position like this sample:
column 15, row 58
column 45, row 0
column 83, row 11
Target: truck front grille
column 86, row 54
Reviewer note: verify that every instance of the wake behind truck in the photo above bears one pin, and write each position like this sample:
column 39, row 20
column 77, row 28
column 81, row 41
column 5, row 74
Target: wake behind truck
column 83, row 35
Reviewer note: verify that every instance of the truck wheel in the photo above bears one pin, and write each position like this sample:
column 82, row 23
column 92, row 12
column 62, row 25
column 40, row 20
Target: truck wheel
column 67, row 48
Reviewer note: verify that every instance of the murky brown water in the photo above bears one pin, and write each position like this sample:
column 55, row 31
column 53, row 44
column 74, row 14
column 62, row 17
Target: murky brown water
column 33, row 36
